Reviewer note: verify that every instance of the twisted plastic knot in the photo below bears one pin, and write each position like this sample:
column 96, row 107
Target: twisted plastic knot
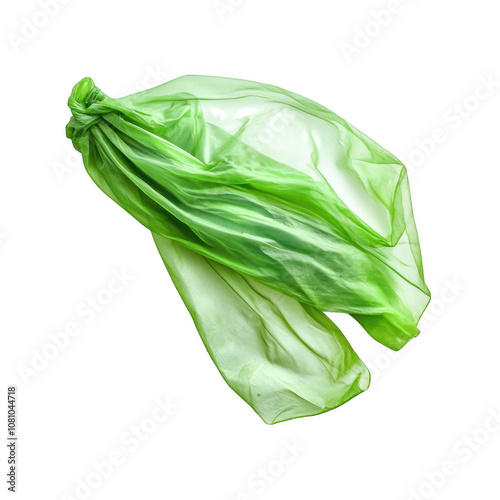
column 84, row 104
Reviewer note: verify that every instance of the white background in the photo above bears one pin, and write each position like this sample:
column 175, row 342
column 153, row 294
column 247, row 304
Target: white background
column 61, row 240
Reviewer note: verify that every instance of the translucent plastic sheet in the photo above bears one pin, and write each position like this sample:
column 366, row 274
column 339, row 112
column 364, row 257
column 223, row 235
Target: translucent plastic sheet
column 267, row 208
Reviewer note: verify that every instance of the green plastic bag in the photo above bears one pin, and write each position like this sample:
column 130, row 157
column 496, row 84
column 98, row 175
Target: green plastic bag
column 267, row 208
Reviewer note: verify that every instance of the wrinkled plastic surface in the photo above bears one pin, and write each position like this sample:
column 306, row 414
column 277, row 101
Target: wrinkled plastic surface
column 267, row 209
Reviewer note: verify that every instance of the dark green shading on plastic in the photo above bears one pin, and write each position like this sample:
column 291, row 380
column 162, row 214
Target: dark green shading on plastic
column 267, row 208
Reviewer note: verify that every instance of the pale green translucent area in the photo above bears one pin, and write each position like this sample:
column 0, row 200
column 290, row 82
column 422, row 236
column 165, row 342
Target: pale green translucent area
column 267, row 208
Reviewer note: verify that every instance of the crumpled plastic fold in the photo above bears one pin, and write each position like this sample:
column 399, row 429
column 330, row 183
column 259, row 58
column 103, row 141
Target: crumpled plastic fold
column 267, row 209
